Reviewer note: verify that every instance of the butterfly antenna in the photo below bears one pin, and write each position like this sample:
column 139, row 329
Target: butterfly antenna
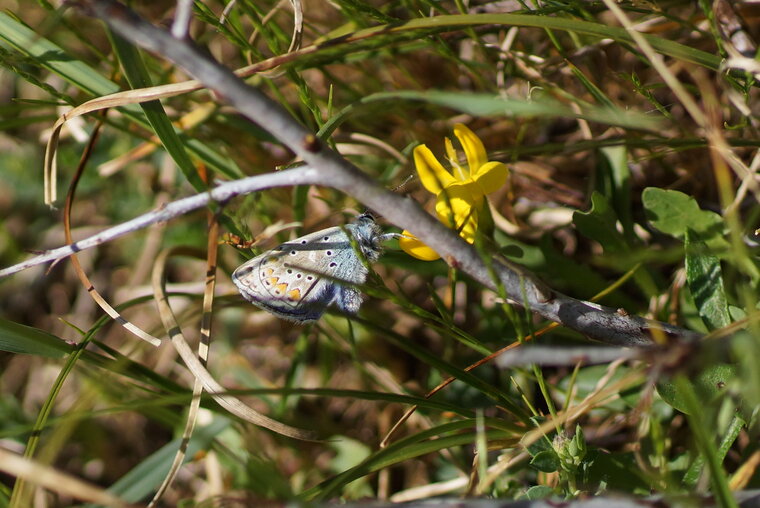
column 372, row 215
column 400, row 186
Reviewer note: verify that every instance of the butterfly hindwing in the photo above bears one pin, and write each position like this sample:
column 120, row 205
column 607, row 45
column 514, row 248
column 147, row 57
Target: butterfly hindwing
column 299, row 279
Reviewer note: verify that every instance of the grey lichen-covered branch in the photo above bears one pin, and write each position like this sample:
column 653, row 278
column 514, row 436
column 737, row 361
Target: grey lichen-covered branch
column 220, row 194
column 328, row 168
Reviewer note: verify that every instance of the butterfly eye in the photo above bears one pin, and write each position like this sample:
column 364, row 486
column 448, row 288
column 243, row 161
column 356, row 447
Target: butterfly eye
column 327, row 238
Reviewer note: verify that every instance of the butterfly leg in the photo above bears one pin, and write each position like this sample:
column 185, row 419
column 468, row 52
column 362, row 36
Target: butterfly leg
column 390, row 236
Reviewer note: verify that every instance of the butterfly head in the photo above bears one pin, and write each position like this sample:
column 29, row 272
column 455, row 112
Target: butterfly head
column 368, row 236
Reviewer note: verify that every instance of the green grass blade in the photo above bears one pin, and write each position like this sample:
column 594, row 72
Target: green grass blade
column 17, row 338
column 705, row 444
column 480, row 104
column 417, row 29
column 144, row 478
column 428, row 441
column 55, row 59
column 137, row 75
column 594, row 90
column 428, row 358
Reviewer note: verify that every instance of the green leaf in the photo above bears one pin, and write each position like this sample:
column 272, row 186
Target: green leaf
column 539, row 492
column 618, row 471
column 16, row 338
column 619, row 176
column 705, row 281
column 674, row 212
column 540, row 445
column 600, row 224
column 709, row 384
column 444, row 312
column 546, row 461
column 691, row 477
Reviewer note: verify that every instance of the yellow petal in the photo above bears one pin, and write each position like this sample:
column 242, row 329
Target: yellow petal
column 451, row 153
column 491, row 176
column 458, row 196
column 461, row 203
column 432, row 174
column 473, row 147
column 415, row 248
column 468, row 229
column 460, row 173
column 467, row 224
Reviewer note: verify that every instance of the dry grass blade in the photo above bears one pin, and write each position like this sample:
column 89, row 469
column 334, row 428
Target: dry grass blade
column 232, row 404
column 98, row 104
column 295, row 41
column 203, row 349
column 136, row 330
column 720, row 147
column 188, row 121
column 141, row 95
column 56, row 481
column 746, row 471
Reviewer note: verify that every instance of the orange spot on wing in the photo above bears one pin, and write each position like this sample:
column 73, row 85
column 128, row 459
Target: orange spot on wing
column 281, row 287
column 273, row 280
column 269, row 271
column 294, row 294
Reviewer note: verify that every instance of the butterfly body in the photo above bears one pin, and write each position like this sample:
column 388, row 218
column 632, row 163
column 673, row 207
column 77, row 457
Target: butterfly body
column 299, row 279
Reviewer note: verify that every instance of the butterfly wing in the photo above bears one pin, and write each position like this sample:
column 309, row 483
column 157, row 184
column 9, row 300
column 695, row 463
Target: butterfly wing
column 297, row 280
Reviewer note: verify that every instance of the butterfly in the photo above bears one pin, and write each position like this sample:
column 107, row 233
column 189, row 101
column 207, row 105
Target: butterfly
column 300, row 279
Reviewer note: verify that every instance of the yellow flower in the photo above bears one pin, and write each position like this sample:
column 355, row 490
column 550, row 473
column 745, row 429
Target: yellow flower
column 460, row 194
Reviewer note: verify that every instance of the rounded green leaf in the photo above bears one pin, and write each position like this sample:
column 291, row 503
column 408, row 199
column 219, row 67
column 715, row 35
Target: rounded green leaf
column 708, row 384
column 546, row 461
